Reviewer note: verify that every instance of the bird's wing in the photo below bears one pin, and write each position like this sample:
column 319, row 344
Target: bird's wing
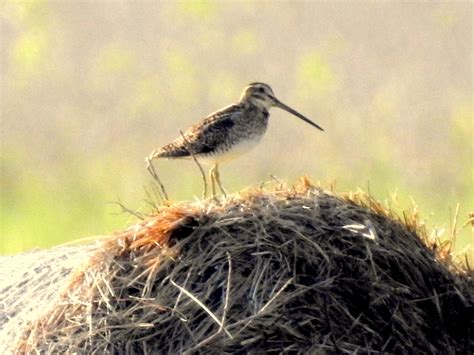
column 205, row 136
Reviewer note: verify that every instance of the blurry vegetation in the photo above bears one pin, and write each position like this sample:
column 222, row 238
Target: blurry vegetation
column 202, row 10
column 88, row 90
column 315, row 75
column 245, row 42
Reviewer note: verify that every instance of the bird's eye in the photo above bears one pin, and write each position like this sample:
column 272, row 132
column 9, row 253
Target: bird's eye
column 261, row 90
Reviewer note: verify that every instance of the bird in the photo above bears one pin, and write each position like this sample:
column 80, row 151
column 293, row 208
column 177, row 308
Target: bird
column 228, row 133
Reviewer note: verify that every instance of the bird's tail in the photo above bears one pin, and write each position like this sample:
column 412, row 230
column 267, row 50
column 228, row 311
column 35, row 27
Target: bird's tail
column 172, row 150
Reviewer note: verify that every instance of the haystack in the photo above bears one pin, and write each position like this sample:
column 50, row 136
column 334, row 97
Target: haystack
column 294, row 270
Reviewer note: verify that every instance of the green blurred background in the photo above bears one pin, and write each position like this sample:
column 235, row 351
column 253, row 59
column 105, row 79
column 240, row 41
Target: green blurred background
column 90, row 88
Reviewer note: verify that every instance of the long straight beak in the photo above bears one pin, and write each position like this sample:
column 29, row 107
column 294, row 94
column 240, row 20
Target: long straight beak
column 281, row 105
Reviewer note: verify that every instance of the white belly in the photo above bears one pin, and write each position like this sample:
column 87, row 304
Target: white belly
column 234, row 152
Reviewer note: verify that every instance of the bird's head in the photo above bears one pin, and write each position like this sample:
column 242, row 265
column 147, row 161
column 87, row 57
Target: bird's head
column 261, row 95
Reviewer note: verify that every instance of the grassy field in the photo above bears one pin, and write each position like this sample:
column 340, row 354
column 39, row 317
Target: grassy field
column 88, row 90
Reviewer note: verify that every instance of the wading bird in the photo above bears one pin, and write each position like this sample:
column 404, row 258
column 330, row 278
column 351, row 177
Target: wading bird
column 228, row 133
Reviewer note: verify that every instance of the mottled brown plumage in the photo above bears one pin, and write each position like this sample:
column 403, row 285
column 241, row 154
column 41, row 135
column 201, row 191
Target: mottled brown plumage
column 218, row 133
column 230, row 132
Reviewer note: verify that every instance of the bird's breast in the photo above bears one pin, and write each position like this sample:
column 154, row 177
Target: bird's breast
column 230, row 151
column 244, row 135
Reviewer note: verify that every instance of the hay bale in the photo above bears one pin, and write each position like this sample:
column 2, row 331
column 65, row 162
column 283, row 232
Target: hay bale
column 292, row 270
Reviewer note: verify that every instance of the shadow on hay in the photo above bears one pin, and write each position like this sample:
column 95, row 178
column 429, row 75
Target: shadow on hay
column 294, row 270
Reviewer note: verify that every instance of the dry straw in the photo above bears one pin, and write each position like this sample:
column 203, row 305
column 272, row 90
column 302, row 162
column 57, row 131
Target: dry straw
column 289, row 270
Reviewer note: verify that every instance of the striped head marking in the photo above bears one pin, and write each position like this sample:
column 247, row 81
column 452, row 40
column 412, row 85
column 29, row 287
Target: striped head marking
column 261, row 95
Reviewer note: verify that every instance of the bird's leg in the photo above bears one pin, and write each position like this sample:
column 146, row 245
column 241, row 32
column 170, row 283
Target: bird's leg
column 218, row 179
column 213, row 182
